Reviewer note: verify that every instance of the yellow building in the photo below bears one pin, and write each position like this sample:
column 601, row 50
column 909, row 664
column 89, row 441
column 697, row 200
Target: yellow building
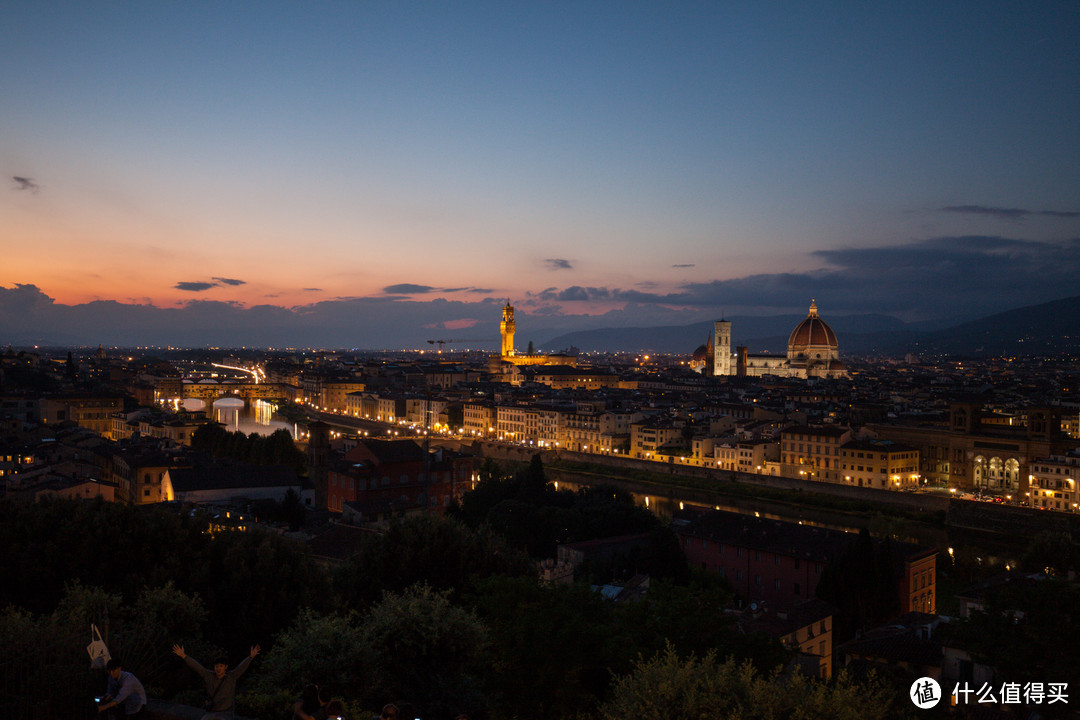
column 509, row 357
column 333, row 395
column 1054, row 481
column 647, row 438
column 478, row 418
column 506, row 329
column 882, row 465
column 813, row 452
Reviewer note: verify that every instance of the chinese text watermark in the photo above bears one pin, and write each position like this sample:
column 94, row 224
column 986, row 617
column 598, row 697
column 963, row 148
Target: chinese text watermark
column 926, row 693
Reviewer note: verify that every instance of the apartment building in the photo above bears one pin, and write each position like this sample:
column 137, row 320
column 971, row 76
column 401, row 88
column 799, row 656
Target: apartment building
column 879, row 464
column 1053, row 483
column 812, row 452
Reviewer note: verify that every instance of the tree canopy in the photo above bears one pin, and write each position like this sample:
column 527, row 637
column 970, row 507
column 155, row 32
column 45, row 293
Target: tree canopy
column 705, row 688
column 278, row 448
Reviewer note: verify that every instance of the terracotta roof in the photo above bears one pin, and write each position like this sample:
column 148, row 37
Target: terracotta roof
column 812, row 331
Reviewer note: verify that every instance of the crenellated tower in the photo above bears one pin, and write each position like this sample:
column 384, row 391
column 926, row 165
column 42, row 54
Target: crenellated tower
column 506, row 329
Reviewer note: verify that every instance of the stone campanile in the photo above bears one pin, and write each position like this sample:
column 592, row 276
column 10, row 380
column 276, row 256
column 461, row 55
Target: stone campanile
column 722, row 348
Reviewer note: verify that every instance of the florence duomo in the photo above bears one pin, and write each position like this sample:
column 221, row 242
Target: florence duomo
column 812, row 352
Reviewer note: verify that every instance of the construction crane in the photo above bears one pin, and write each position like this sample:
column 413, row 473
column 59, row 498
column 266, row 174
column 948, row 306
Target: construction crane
column 440, row 343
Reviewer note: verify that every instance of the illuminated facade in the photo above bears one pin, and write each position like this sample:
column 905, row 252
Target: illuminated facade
column 829, row 453
column 882, row 465
column 1054, row 483
column 812, row 352
column 506, row 330
column 969, row 455
column 813, row 452
column 508, row 358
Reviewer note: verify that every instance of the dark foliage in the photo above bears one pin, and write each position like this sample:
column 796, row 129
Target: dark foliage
column 552, row 649
column 1029, row 631
column 253, row 583
column 532, row 515
column 860, row 582
column 1053, row 553
column 277, row 448
column 440, row 552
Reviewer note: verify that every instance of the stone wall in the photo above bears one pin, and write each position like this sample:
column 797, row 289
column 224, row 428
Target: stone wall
column 921, row 502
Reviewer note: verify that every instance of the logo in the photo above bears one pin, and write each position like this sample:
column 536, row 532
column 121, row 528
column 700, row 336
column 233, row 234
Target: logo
column 925, row 693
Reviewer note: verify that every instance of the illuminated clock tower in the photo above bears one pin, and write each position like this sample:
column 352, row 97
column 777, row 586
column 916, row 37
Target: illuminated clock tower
column 506, row 328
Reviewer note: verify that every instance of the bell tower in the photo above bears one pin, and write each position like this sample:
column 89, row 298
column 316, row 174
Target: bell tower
column 506, row 329
column 722, row 348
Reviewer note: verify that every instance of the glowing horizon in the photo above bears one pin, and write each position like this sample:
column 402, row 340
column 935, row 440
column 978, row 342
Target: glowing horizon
column 659, row 163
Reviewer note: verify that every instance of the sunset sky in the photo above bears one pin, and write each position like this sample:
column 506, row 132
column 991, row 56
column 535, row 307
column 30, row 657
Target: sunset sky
column 598, row 163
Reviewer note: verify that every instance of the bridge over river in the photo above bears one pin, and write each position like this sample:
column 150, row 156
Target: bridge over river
column 210, row 390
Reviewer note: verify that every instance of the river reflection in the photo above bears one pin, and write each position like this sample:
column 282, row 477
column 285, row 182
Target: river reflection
column 994, row 550
column 258, row 417
column 666, row 507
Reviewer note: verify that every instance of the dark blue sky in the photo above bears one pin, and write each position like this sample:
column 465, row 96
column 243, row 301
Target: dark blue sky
column 622, row 163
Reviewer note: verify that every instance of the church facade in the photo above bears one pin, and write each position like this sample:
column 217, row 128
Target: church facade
column 812, row 352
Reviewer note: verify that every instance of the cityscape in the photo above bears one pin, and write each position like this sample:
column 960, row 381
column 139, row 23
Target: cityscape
column 539, row 361
column 758, row 474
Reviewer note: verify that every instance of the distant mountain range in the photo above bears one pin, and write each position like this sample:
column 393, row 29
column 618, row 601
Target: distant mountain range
column 1048, row 329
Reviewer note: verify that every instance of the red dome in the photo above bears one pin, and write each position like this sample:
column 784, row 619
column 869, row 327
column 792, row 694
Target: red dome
column 812, row 331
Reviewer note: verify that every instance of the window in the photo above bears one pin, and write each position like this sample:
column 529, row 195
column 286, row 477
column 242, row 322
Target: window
column 798, row 590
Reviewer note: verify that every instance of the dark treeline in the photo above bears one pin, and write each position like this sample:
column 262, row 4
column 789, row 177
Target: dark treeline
column 442, row 612
column 277, row 448
column 535, row 517
column 251, row 583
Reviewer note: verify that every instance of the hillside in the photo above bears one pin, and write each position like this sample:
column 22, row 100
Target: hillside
column 1051, row 328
